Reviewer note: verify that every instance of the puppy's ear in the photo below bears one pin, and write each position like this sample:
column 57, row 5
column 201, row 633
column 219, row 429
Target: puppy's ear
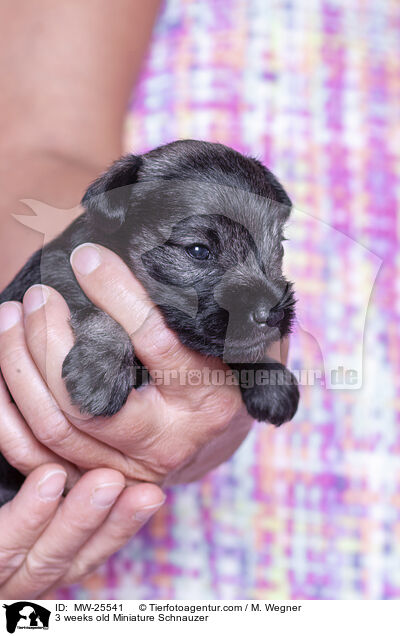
column 107, row 199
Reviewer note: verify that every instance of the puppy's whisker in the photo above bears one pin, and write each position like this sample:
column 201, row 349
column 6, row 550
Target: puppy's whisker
column 287, row 305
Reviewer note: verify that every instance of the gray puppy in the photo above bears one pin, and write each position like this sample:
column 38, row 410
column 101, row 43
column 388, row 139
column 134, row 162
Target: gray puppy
column 201, row 226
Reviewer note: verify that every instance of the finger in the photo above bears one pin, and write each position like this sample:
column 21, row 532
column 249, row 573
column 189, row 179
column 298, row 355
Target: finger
column 49, row 339
column 135, row 506
column 45, row 310
column 47, row 422
column 17, row 443
column 23, row 519
column 81, row 513
column 113, row 287
column 110, row 284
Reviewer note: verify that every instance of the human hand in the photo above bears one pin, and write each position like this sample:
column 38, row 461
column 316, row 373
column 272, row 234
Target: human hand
column 165, row 433
column 47, row 540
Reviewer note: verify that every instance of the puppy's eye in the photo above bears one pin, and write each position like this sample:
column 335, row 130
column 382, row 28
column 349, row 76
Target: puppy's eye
column 199, row 252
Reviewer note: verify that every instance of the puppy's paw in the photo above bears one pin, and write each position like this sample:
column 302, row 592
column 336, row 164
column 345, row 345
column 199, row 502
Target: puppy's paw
column 99, row 380
column 272, row 403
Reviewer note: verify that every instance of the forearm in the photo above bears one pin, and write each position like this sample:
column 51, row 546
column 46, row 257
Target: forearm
column 66, row 71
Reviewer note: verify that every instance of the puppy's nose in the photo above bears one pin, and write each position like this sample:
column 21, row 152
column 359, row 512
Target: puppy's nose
column 263, row 316
column 260, row 315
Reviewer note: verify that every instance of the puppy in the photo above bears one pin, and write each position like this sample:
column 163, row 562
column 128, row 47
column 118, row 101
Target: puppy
column 201, row 226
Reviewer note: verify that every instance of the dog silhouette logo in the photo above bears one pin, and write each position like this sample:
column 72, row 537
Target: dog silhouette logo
column 26, row 615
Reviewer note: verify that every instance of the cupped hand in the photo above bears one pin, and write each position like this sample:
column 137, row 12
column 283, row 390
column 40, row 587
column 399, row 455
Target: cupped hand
column 167, row 432
column 48, row 540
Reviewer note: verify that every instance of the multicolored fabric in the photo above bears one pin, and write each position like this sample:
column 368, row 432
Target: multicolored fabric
column 311, row 510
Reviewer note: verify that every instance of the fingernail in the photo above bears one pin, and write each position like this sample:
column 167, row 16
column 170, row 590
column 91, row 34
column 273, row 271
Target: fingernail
column 10, row 314
column 148, row 511
column 52, row 485
column 35, row 297
column 104, row 496
column 85, row 258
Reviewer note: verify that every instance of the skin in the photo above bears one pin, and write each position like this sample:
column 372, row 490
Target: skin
column 61, row 125
column 59, row 540
column 62, row 122
column 62, row 113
